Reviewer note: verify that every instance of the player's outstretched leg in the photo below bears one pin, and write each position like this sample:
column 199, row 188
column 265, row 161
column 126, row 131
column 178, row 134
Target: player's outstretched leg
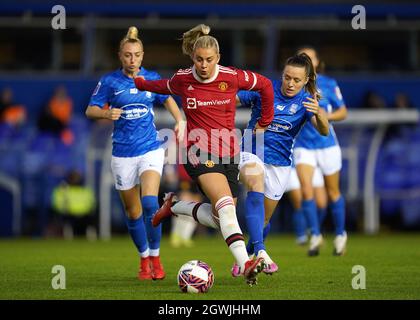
column 165, row 210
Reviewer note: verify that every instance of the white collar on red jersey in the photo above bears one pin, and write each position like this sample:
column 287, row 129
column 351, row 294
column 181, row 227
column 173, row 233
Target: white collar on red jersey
column 196, row 77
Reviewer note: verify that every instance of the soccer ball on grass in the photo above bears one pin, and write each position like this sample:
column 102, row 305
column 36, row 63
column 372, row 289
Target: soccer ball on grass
column 195, row 276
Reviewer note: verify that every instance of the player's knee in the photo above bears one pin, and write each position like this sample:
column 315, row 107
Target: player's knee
column 255, row 183
column 333, row 194
column 307, row 192
column 133, row 212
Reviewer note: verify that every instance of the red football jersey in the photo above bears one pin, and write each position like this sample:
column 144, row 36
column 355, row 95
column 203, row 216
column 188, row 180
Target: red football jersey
column 210, row 105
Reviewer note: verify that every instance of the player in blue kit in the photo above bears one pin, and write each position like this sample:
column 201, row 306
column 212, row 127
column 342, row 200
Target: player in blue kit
column 295, row 197
column 137, row 156
column 312, row 151
column 265, row 168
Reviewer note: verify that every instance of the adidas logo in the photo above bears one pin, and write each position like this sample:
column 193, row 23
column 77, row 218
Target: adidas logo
column 190, row 88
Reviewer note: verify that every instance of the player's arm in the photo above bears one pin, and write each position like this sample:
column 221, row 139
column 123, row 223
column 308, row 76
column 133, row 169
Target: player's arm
column 172, row 107
column 100, row 98
column 157, row 86
column 95, row 112
column 255, row 82
column 338, row 114
column 319, row 119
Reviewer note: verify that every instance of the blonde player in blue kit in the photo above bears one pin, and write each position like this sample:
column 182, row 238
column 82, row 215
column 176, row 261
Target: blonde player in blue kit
column 137, row 156
column 313, row 150
column 265, row 174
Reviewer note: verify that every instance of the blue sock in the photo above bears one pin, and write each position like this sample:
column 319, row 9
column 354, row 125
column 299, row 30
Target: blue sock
column 309, row 210
column 338, row 210
column 138, row 233
column 322, row 214
column 249, row 247
column 150, row 204
column 266, row 231
column 254, row 215
column 299, row 223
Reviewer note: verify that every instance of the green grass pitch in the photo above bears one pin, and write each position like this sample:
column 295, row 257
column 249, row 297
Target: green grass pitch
column 107, row 270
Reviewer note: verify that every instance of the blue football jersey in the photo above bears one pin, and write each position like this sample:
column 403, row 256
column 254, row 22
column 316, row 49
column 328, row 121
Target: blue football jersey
column 289, row 117
column 134, row 132
column 309, row 137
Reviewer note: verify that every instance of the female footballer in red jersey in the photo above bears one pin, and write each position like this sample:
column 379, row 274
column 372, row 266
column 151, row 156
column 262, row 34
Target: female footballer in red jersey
column 208, row 92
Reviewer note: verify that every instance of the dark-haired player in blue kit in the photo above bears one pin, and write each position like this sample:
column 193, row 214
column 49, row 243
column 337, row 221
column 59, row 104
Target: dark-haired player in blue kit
column 312, row 151
column 265, row 174
column 137, row 156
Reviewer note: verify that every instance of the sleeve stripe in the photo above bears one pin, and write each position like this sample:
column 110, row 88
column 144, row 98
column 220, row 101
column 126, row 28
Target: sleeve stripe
column 255, row 80
column 169, row 87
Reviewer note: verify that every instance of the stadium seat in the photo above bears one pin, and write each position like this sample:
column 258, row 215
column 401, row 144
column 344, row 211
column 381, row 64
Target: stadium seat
column 411, row 213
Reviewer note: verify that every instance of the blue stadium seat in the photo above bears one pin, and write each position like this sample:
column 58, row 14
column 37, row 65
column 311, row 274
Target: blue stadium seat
column 390, row 207
column 11, row 161
column 411, row 212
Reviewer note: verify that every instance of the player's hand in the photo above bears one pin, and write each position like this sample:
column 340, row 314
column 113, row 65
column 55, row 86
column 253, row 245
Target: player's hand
column 312, row 106
column 258, row 127
column 180, row 130
column 114, row 114
column 138, row 81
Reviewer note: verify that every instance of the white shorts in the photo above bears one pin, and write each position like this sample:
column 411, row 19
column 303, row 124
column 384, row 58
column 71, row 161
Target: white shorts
column 127, row 171
column 275, row 177
column 327, row 159
column 294, row 183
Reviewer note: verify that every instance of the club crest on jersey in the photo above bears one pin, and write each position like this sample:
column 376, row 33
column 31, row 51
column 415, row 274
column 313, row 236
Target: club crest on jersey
column 134, row 90
column 223, row 86
column 293, row 108
column 191, row 103
column 134, row 111
column 209, row 164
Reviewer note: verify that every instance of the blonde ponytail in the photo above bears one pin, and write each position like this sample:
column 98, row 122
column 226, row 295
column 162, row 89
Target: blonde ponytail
column 132, row 36
column 198, row 37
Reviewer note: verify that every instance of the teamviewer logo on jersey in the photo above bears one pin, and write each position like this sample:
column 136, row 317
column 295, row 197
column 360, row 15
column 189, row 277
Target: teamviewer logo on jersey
column 191, row 103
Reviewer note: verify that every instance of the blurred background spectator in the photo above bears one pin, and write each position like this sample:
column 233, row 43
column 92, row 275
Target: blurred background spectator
column 373, row 101
column 55, row 117
column 75, row 205
column 402, row 101
column 11, row 113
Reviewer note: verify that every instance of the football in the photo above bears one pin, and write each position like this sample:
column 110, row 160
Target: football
column 195, row 276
